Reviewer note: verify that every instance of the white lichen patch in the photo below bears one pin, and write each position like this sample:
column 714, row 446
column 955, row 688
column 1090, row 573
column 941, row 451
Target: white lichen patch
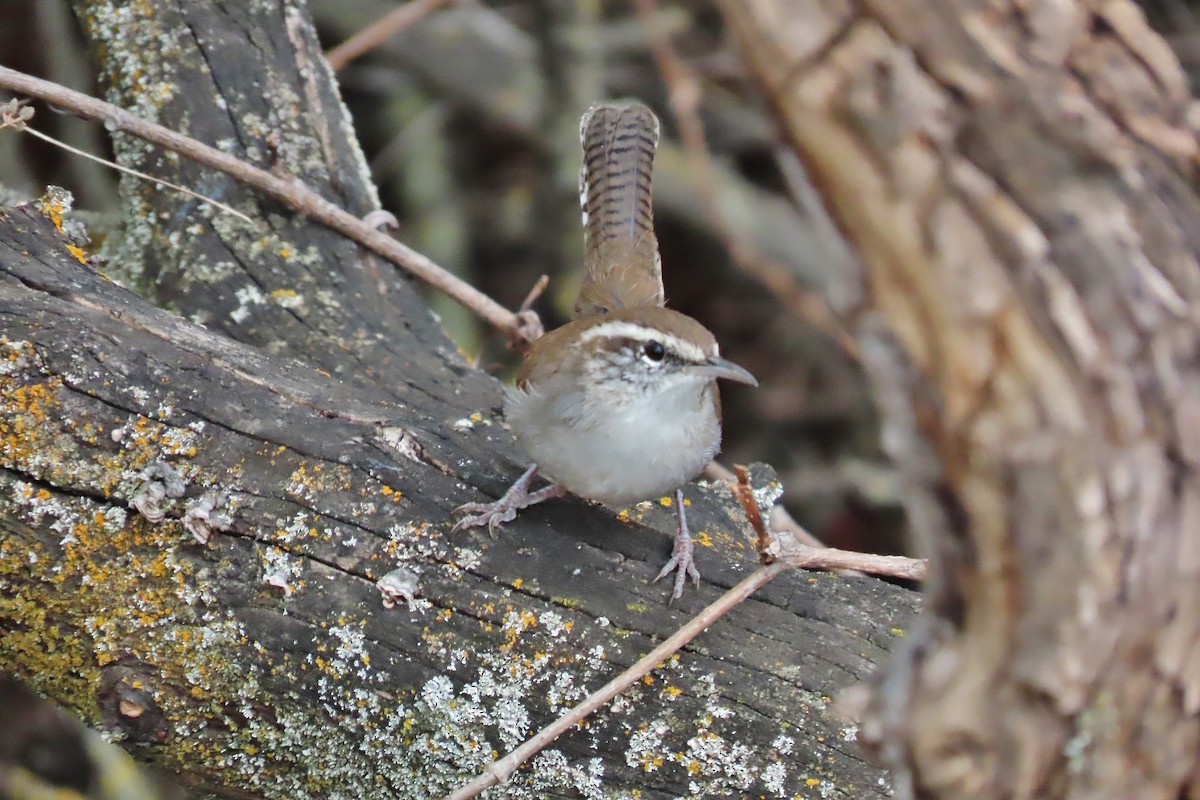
column 280, row 570
column 43, row 507
column 350, row 654
column 248, row 296
column 422, row 544
column 766, row 496
column 468, row 558
column 295, row 529
column 722, row 766
column 774, row 778
column 139, row 394
column 646, row 748
column 714, row 761
column 469, row 422
column 15, row 356
column 552, row 771
column 287, row 298
column 113, row 519
column 554, row 625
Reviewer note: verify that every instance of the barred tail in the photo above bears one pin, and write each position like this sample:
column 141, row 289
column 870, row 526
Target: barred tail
column 621, row 263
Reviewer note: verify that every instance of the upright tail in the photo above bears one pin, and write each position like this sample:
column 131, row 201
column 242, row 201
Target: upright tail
column 621, row 262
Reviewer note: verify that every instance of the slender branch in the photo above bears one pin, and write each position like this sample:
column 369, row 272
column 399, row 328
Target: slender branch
column 520, row 328
column 501, row 770
column 17, row 121
column 378, row 31
column 802, row 556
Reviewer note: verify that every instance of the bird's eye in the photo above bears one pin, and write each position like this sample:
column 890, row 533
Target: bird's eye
column 654, row 351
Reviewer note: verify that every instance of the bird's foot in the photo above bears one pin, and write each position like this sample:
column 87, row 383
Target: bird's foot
column 505, row 509
column 682, row 562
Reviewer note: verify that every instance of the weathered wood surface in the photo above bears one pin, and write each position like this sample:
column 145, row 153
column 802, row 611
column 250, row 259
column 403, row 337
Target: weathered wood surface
column 1019, row 182
column 251, row 81
column 265, row 659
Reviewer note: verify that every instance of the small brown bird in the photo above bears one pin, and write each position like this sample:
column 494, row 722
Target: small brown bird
column 620, row 404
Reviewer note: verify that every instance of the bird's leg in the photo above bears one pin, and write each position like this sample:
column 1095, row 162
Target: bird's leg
column 505, row 509
column 681, row 563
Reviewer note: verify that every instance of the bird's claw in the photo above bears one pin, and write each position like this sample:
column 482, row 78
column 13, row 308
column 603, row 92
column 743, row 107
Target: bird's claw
column 480, row 514
column 683, row 564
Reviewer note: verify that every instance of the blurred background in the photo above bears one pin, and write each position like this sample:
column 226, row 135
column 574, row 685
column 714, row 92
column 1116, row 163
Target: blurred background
column 468, row 113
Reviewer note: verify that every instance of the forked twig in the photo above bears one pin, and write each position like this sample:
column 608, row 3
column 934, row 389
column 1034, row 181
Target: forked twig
column 290, row 191
column 787, row 540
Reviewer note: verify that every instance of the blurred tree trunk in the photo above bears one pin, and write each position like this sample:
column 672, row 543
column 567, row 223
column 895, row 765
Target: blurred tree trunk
column 1019, row 182
column 317, row 431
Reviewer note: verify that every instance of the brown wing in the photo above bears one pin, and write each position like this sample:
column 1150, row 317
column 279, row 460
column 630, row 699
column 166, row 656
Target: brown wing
column 621, row 263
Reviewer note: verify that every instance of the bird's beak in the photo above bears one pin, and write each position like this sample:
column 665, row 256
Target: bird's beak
column 717, row 367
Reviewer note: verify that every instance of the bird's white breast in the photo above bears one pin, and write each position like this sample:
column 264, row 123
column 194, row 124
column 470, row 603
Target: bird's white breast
column 618, row 447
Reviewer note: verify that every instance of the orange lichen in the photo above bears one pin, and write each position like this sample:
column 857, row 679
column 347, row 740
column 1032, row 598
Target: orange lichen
column 54, row 204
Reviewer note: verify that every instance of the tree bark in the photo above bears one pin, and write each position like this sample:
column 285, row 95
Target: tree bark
column 316, row 434
column 1019, row 182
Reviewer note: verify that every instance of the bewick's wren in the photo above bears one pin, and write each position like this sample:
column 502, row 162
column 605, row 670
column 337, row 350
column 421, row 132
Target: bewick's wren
column 620, row 404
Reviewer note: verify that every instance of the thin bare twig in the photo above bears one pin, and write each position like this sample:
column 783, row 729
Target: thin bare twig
column 535, row 292
column 745, row 495
column 831, row 559
column 780, row 518
column 791, row 542
column 501, row 770
column 378, row 31
column 520, row 328
column 16, row 120
column 684, row 96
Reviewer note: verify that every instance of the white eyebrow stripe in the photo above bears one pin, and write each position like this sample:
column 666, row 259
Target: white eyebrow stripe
column 621, row 329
